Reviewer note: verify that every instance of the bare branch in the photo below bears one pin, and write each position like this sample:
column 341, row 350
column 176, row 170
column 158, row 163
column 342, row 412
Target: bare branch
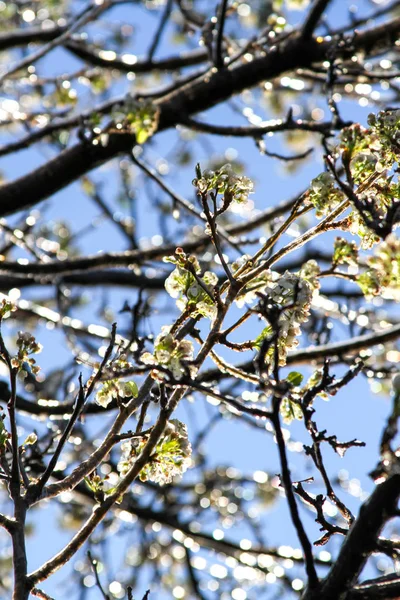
column 361, row 539
column 313, row 17
column 294, row 513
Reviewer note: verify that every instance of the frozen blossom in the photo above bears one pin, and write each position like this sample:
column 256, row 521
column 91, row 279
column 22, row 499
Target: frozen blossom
column 170, row 458
column 382, row 277
column 27, row 346
column 170, row 353
column 292, row 295
column 192, row 290
column 113, row 389
column 251, row 291
column 224, row 181
column 324, row 194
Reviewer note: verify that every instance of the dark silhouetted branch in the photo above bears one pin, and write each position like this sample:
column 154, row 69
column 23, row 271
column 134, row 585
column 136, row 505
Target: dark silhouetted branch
column 205, row 93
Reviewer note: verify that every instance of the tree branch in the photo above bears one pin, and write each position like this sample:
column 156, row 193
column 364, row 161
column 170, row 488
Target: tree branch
column 258, row 131
column 23, row 37
column 209, row 91
column 381, row 588
column 361, row 539
column 320, row 353
column 218, row 58
column 129, row 63
column 89, row 13
column 290, row 497
column 313, row 17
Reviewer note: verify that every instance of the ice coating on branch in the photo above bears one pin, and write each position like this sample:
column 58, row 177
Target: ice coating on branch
column 170, row 458
column 171, row 354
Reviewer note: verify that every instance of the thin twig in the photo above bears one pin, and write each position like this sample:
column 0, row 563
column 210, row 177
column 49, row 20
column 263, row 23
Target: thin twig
column 83, row 394
column 158, row 35
column 85, row 16
column 218, row 56
column 313, row 17
column 41, row 594
column 287, row 482
column 93, row 563
column 178, row 199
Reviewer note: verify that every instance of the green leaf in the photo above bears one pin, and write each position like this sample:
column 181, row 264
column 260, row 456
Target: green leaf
column 131, row 389
column 345, row 252
column 30, row 440
column 294, row 378
column 141, row 136
column 267, row 331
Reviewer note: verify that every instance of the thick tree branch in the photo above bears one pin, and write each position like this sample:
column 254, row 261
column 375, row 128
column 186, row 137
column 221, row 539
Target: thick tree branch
column 104, row 277
column 361, row 540
column 213, row 89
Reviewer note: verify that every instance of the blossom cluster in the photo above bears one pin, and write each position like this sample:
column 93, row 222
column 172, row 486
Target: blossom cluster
column 140, row 118
column 290, row 410
column 6, row 306
column 171, row 354
column 361, row 149
column 225, row 181
column 170, row 458
column 262, row 283
column 257, row 285
column 192, row 290
column 114, row 389
column 369, row 158
column 27, row 345
column 310, row 272
column 324, row 194
column 371, row 155
column 382, row 277
column 357, row 226
column 386, row 126
column 345, row 252
column 102, row 486
column 292, row 295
